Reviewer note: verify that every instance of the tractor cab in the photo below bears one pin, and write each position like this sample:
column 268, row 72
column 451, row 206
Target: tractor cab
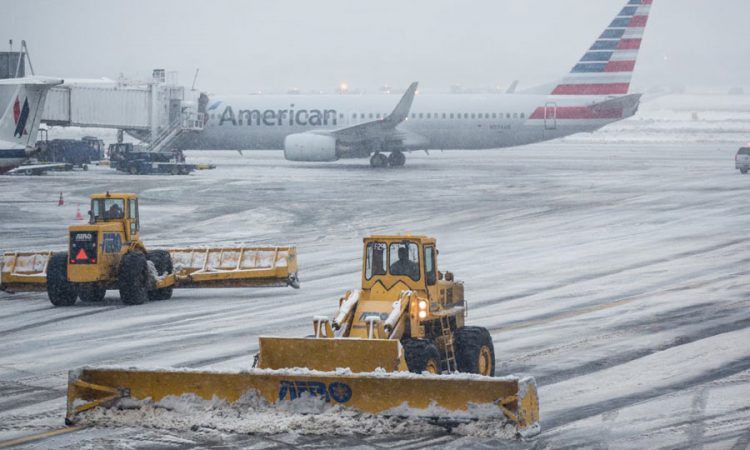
column 118, row 208
column 396, row 263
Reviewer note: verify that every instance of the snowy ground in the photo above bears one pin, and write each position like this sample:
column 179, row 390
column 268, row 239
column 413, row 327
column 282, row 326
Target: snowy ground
column 613, row 273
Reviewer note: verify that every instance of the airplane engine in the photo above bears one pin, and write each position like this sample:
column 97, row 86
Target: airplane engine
column 310, row 147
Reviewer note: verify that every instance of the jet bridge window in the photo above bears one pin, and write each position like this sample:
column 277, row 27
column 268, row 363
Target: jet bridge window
column 404, row 259
column 375, row 259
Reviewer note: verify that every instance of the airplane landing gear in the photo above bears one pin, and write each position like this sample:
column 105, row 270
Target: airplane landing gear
column 396, row 159
column 379, row 160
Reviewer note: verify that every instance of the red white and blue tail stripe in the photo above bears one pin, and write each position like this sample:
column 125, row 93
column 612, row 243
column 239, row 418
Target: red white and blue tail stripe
column 607, row 67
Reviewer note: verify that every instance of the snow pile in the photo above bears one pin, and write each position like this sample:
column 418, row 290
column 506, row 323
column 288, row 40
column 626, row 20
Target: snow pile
column 253, row 415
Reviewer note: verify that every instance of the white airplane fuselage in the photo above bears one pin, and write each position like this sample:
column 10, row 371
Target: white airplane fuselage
column 486, row 121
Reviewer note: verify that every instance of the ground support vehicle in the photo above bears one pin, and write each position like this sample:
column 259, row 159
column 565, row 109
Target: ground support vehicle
column 742, row 160
column 124, row 158
column 401, row 338
column 107, row 253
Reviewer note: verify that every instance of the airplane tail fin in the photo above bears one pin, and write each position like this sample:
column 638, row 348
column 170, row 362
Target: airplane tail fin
column 20, row 120
column 607, row 67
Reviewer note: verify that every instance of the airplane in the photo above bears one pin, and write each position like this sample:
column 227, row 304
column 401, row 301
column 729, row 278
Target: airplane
column 20, row 121
column 320, row 128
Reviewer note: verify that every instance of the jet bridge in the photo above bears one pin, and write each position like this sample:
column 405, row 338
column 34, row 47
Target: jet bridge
column 157, row 111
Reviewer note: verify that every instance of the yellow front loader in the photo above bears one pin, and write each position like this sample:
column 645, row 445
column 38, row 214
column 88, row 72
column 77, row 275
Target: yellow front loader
column 107, row 253
column 398, row 346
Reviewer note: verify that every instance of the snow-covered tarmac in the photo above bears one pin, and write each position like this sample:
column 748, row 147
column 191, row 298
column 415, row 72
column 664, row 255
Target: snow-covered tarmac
column 615, row 274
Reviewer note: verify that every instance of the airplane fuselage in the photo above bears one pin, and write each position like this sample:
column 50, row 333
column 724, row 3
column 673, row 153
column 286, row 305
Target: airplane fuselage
column 464, row 122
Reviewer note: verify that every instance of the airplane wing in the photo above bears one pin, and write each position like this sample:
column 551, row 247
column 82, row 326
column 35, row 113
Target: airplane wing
column 37, row 168
column 35, row 80
column 377, row 129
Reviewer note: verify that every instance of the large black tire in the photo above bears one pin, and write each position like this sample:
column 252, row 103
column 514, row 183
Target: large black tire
column 92, row 295
column 133, row 279
column 133, row 169
column 421, row 356
column 475, row 352
column 163, row 264
column 60, row 291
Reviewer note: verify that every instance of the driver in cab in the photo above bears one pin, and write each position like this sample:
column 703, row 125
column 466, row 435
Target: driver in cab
column 404, row 266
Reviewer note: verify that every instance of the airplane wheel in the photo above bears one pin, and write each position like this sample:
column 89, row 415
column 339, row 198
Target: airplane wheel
column 396, row 159
column 379, row 160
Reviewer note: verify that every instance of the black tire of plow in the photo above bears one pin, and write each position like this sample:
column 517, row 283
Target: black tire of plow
column 163, row 264
column 133, row 279
column 468, row 343
column 60, row 291
column 418, row 353
column 92, row 295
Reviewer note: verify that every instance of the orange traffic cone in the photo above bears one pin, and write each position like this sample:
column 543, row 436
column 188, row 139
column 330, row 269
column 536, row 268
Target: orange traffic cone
column 61, row 202
column 78, row 213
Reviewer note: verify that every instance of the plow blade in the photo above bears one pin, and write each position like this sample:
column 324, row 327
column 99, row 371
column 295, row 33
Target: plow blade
column 358, row 355
column 235, row 267
column 454, row 398
column 24, row 271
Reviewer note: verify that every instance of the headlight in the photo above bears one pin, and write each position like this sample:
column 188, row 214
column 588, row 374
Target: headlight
column 422, row 314
column 422, row 304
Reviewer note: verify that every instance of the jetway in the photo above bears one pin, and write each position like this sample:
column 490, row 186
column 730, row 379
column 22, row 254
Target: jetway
column 157, row 111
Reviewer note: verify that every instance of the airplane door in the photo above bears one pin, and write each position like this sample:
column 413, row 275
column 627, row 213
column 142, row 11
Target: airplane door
column 550, row 116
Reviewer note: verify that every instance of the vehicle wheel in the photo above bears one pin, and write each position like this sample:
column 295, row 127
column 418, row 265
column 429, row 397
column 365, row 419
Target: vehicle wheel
column 743, row 171
column 174, row 170
column 475, row 352
column 28, row 172
column 92, row 295
column 396, row 159
column 422, row 356
column 379, row 160
column 60, row 291
column 163, row 264
column 184, row 171
column 133, row 279
column 85, row 167
column 133, row 169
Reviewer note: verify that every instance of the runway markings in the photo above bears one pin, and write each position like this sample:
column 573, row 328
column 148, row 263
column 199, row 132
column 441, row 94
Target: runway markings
column 39, row 436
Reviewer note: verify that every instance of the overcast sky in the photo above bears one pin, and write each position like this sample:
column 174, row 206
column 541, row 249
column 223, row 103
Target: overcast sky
column 275, row 45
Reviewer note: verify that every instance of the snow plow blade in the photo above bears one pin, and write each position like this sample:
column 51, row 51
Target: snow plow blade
column 193, row 268
column 24, row 271
column 451, row 398
column 357, row 355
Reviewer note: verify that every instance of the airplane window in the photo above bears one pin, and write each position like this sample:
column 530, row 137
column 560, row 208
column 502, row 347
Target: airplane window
column 443, row 115
column 370, row 115
column 413, row 115
column 354, row 115
column 377, row 116
column 421, row 115
column 212, row 116
column 523, row 115
column 437, row 116
column 515, row 115
column 362, row 116
column 459, row 115
column 428, row 115
column 472, row 115
column 507, row 116
column 494, row 115
column 451, row 115
column 341, row 116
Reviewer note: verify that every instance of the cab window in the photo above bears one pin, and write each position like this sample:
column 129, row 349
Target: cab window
column 404, row 259
column 108, row 208
column 133, row 214
column 429, row 266
column 375, row 259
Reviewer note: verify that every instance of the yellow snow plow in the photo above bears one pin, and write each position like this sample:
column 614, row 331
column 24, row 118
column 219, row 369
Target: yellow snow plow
column 107, row 253
column 397, row 347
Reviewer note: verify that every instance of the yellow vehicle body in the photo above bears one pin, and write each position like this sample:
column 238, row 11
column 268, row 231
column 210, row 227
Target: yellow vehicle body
column 96, row 251
column 397, row 394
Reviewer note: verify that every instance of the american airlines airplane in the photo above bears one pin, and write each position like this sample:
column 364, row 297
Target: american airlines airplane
column 20, row 121
column 327, row 128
